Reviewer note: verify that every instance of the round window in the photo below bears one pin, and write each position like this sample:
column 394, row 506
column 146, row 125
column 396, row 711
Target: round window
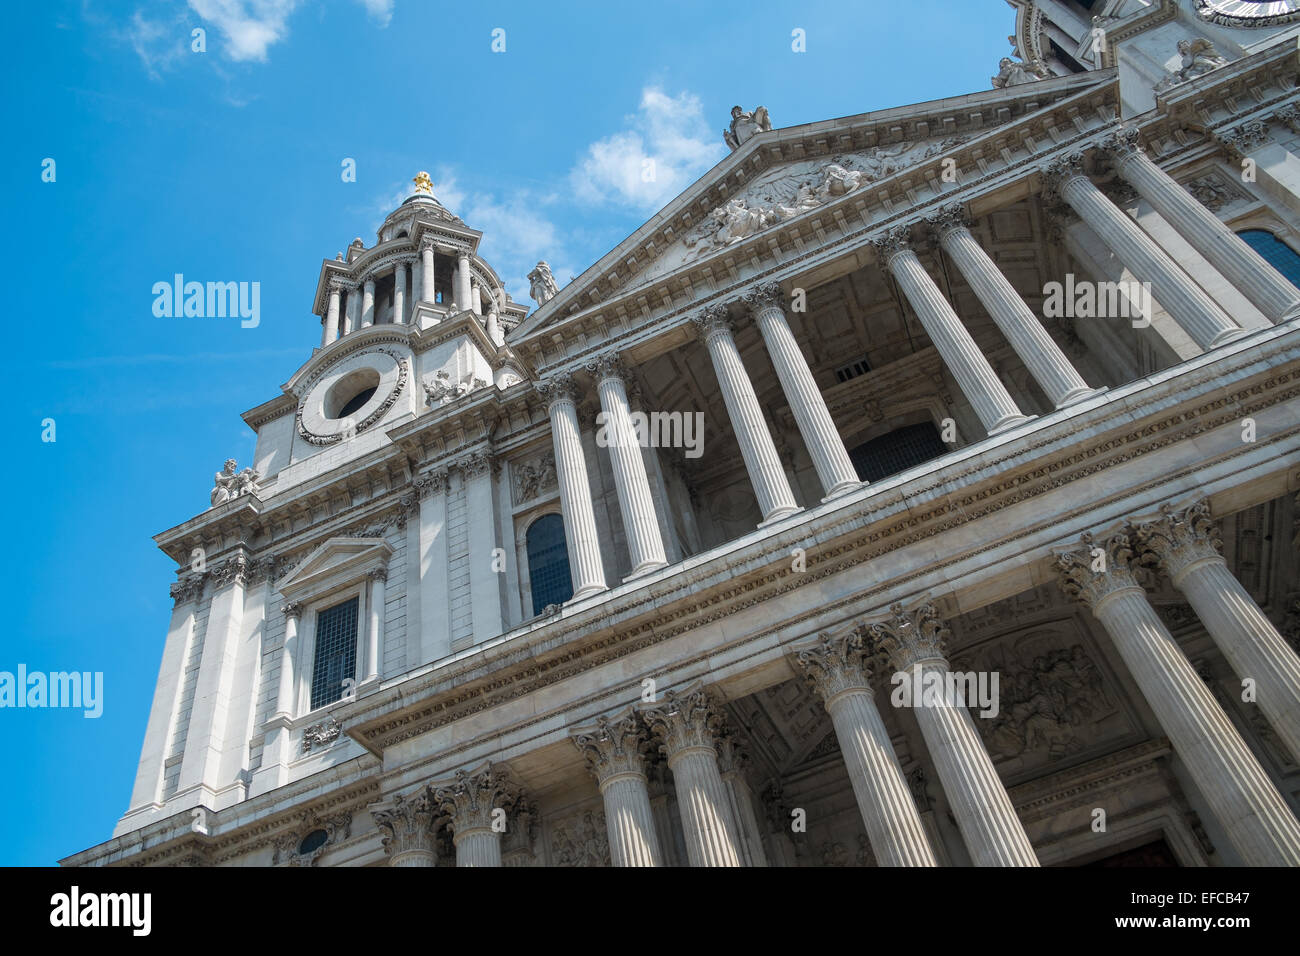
column 312, row 842
column 351, row 392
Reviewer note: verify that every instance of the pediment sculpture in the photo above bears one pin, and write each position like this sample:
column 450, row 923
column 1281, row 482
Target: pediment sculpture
column 744, row 125
column 231, row 483
column 443, row 390
column 1199, row 57
column 542, row 286
column 1014, row 73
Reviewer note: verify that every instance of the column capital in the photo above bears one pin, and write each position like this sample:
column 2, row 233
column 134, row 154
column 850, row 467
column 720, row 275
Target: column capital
column 909, row 636
column 557, row 388
column 765, row 295
column 733, row 758
column 429, row 483
column 474, row 464
column 369, row 283
column 1241, row 139
column 407, row 825
column 833, row 665
column 893, row 242
column 471, row 797
column 1178, row 539
column 614, row 746
column 713, row 319
column 947, row 219
column 336, row 286
column 606, row 366
column 188, row 588
column 291, row 609
column 237, row 569
column 377, row 574
column 1061, row 170
column 427, row 244
column 463, row 254
column 1101, row 568
column 1122, row 142
column 685, row 720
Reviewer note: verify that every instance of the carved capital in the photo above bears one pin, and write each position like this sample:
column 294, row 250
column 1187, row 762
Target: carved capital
column 1060, row 171
column 408, row 825
column 1098, row 569
column 377, row 574
column 1241, row 139
column 834, row 665
column 235, row 569
column 474, row 464
column 1177, row 540
column 685, row 720
column 892, row 243
column 1289, row 116
column 470, row 799
column 189, row 588
column 606, row 366
column 557, row 388
column 713, row 319
column 427, row 244
column 614, row 746
column 948, row 219
column 336, row 287
column 292, row 609
column 1122, row 142
column 765, row 295
column 908, row 636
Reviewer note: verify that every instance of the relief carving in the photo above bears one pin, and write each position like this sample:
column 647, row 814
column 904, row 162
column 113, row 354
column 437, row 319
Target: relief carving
column 581, row 841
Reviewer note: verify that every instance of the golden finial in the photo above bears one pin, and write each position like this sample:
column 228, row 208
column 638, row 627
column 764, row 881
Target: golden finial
column 423, row 184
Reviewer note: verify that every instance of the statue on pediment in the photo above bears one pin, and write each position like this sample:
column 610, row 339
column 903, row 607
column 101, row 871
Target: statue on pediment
column 542, row 285
column 231, row 483
column 744, row 125
column 1198, row 58
column 1013, row 73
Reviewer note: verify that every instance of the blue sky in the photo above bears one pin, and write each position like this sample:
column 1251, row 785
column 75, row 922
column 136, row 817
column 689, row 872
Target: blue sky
column 225, row 165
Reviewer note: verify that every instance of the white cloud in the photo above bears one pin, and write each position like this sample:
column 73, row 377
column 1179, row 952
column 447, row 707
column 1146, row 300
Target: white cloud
column 668, row 145
column 248, row 26
column 158, row 44
column 381, row 11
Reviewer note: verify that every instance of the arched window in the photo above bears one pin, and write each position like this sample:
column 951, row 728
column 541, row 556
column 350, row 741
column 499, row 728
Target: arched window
column 548, row 562
column 1275, row 252
column 897, row 451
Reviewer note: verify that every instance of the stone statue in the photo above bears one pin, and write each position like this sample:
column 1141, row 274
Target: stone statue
column 1011, row 73
column 744, row 125
column 443, row 390
column 542, row 285
column 1199, row 57
column 228, row 483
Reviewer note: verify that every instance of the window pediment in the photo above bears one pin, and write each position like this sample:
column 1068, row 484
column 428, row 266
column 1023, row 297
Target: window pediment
column 336, row 563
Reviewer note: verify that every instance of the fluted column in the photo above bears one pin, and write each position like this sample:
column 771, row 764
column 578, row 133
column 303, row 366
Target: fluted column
column 1046, row 362
column 399, row 293
column 575, row 491
column 332, row 315
column 427, row 285
column 409, row 836
column 1205, row 232
column 835, row 668
column 284, row 702
column 615, row 753
column 644, row 542
column 732, row 760
column 462, row 281
column 822, row 438
column 1190, row 306
column 963, row 358
column 493, row 324
column 775, row 499
column 368, row 303
column 687, row 723
column 1186, row 544
column 351, row 309
column 471, row 801
column 1256, row 818
column 375, row 633
column 914, row 639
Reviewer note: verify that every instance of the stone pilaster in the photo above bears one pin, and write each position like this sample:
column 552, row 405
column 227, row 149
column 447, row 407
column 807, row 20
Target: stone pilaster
column 615, row 753
column 1046, row 362
column 915, row 639
column 1205, row 232
column 1186, row 543
column 1256, row 818
column 409, row 829
column 975, row 376
column 835, row 668
column 688, row 722
column 822, row 438
column 766, row 475
column 472, row 801
column 1189, row 305
column 575, row 491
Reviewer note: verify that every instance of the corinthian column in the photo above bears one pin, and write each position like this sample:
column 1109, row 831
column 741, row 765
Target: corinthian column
column 775, row 500
column 399, row 293
column 1252, row 812
column 1045, row 361
column 1186, row 544
column 829, row 457
column 368, row 302
column 1205, row 232
column 835, row 668
column 615, row 754
column 426, row 270
column 732, row 760
column 575, row 492
column 409, row 831
column 472, row 802
column 687, row 722
column 914, row 640
column 1189, row 305
column 976, row 378
column 634, row 502
column 332, row 315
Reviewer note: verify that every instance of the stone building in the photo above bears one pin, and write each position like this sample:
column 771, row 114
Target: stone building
column 996, row 395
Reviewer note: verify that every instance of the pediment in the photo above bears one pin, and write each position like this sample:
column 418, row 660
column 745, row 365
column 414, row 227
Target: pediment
column 337, row 562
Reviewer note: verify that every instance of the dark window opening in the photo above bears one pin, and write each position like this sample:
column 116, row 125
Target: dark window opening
column 336, row 652
column 312, row 842
column 1275, row 252
column 548, row 563
column 897, row 451
column 357, row 401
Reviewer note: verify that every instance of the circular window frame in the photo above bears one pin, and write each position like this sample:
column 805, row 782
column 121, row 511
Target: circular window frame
column 343, row 381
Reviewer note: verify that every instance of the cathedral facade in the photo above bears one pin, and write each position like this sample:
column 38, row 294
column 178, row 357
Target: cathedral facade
column 916, row 488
